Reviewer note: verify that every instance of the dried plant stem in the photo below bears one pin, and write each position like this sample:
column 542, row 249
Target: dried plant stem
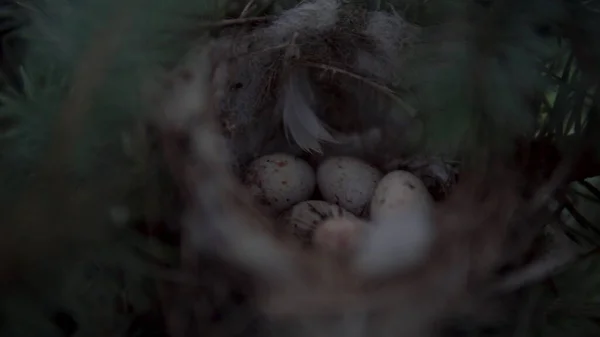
column 287, row 45
column 382, row 88
column 233, row 22
column 246, row 9
column 265, row 50
column 537, row 271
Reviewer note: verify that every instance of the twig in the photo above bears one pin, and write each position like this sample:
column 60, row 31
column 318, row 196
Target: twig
column 286, row 45
column 546, row 267
column 246, row 9
column 292, row 51
column 265, row 50
column 382, row 88
column 233, row 22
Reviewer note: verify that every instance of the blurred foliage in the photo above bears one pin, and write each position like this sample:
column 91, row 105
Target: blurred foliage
column 73, row 175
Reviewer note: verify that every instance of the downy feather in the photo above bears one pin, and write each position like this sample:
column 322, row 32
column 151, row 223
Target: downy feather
column 309, row 16
column 299, row 117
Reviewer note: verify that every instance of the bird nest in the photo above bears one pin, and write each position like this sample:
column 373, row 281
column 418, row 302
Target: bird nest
column 324, row 81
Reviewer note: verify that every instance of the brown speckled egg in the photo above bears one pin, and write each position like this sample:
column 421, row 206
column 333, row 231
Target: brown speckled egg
column 280, row 181
column 324, row 226
column 301, row 220
column 397, row 191
column 348, row 182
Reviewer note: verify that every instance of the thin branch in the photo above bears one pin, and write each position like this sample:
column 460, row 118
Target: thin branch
column 286, row 45
column 545, row 268
column 233, row 22
column 537, row 271
column 265, row 50
column 291, row 48
column 382, row 88
column 246, row 9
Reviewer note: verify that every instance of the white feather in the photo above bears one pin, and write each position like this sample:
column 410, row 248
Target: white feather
column 312, row 16
column 299, row 118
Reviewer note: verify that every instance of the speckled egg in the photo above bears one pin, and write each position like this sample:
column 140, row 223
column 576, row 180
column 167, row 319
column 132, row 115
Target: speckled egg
column 348, row 182
column 323, row 225
column 403, row 230
column 280, row 181
column 399, row 190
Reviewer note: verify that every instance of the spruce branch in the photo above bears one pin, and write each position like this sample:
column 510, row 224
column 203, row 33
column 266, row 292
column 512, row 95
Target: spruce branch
column 582, row 220
column 590, row 188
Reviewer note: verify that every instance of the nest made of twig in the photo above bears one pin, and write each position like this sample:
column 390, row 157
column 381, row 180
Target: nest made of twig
column 314, row 63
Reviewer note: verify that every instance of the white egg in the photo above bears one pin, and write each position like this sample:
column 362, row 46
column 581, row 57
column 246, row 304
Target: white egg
column 348, row 182
column 324, row 226
column 398, row 191
column 403, row 230
column 279, row 180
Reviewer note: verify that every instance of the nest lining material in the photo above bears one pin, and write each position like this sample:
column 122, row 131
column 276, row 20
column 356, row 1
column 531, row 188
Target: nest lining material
column 316, row 75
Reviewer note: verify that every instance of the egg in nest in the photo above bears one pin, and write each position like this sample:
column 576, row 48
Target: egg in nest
column 324, row 226
column 279, row 181
column 348, row 182
column 403, row 230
